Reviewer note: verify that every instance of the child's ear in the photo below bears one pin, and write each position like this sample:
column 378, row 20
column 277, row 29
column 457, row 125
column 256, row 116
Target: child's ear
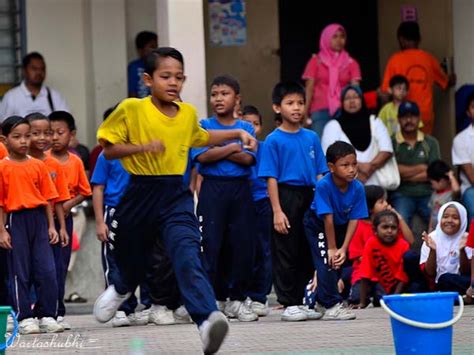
column 390, row 91
column 3, row 139
column 147, row 79
column 73, row 133
column 331, row 167
column 276, row 108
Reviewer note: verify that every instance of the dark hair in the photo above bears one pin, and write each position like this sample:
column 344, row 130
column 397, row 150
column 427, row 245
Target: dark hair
column 338, row 150
column 145, row 37
column 409, row 30
column 11, row 122
column 36, row 116
column 29, row 57
column 152, row 59
column 283, row 89
column 252, row 110
column 107, row 112
column 228, row 80
column 438, row 170
column 373, row 193
column 397, row 80
column 380, row 215
column 469, row 99
column 63, row 116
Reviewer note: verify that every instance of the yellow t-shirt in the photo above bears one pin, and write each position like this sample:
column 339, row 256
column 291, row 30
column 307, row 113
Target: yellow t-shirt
column 138, row 121
column 388, row 114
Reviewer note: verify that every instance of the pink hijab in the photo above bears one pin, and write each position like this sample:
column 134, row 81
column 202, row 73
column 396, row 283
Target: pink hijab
column 335, row 62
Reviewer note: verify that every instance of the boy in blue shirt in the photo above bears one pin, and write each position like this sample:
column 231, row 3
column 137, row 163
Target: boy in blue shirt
column 224, row 208
column 292, row 160
column 330, row 223
column 261, row 283
column 145, row 41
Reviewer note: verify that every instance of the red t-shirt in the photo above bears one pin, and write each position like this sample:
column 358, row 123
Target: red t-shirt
column 470, row 238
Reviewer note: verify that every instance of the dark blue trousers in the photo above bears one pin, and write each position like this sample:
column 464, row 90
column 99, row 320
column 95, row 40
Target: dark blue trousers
column 327, row 293
column 454, row 283
column 226, row 216
column 261, row 283
column 62, row 256
column 31, row 262
column 161, row 207
column 4, row 300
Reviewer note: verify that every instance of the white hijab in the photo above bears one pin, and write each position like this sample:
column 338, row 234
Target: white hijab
column 447, row 246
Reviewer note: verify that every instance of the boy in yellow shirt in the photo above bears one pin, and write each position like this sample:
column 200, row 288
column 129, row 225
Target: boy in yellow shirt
column 389, row 113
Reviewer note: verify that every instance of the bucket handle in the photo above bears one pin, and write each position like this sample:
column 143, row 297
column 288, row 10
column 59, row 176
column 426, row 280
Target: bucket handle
column 4, row 346
column 423, row 325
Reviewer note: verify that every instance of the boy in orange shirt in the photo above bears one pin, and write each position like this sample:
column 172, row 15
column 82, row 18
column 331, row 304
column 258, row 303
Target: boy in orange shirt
column 63, row 128
column 26, row 192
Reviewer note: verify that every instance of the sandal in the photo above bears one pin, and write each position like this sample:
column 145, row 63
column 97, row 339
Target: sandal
column 75, row 298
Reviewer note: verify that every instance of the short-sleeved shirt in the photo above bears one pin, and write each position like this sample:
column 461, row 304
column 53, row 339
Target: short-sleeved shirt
column 344, row 206
column 56, row 171
column 138, row 121
column 389, row 116
column 76, row 177
column 293, row 158
column 223, row 167
column 136, row 85
column 438, row 199
column 319, row 72
column 3, row 151
column 422, row 71
column 425, row 151
column 258, row 185
column 25, row 184
column 384, row 263
column 113, row 176
column 470, row 238
column 463, row 153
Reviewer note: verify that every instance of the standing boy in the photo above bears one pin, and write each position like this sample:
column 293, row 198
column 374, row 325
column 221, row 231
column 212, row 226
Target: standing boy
column 389, row 113
column 145, row 42
column 338, row 204
column 152, row 137
column 224, row 208
column 292, row 159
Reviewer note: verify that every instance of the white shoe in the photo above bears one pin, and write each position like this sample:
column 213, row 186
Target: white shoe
column 181, row 316
column 29, row 326
column 213, row 332
column 240, row 310
column 139, row 318
column 108, row 303
column 260, row 309
column 311, row 314
column 338, row 312
column 63, row 323
column 293, row 314
column 50, row 325
column 120, row 320
column 161, row 315
column 221, row 305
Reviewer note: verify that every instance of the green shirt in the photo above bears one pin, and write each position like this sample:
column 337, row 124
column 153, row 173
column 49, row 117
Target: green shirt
column 425, row 151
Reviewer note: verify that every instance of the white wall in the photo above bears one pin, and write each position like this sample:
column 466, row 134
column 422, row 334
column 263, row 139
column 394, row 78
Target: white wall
column 463, row 12
column 140, row 15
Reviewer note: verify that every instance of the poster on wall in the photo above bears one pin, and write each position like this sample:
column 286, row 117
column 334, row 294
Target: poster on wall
column 227, row 23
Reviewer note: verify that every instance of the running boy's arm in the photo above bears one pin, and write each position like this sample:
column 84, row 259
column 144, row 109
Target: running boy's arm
column 53, row 235
column 98, row 205
column 219, row 136
column 280, row 221
column 5, row 239
column 121, row 150
column 63, row 237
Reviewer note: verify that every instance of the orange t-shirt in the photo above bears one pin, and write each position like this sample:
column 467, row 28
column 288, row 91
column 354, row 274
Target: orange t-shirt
column 76, row 177
column 25, row 184
column 56, row 171
column 3, row 151
column 422, row 71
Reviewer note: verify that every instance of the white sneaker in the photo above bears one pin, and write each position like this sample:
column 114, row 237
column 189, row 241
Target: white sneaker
column 181, row 316
column 50, row 325
column 260, row 309
column 161, row 315
column 108, row 303
column 311, row 314
column 139, row 318
column 240, row 310
column 293, row 314
column 221, row 305
column 29, row 326
column 213, row 332
column 63, row 323
column 120, row 320
column 338, row 312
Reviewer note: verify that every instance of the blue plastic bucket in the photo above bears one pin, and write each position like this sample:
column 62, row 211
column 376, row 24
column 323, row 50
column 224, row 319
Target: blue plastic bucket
column 5, row 311
column 422, row 323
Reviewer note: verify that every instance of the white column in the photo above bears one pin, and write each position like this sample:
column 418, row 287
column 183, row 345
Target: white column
column 181, row 25
column 463, row 48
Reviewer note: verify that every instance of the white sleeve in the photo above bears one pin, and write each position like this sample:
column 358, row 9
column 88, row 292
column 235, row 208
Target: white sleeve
column 468, row 252
column 459, row 153
column 381, row 135
column 425, row 252
column 5, row 107
column 331, row 133
column 59, row 102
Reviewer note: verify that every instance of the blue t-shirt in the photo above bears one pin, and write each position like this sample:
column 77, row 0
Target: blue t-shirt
column 293, row 158
column 113, row 176
column 344, row 206
column 259, row 185
column 223, row 167
column 136, row 85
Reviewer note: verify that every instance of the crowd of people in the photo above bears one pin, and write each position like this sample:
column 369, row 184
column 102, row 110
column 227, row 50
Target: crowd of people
column 323, row 214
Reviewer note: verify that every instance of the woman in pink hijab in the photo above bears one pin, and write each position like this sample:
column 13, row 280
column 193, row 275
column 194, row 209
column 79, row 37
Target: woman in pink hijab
column 326, row 74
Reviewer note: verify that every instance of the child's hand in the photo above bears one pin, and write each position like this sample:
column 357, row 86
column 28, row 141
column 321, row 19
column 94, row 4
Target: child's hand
column 462, row 242
column 331, row 256
column 430, row 243
column 314, row 282
column 248, row 141
column 339, row 258
column 281, row 223
column 155, row 146
column 63, row 237
column 53, row 235
column 102, row 231
column 5, row 240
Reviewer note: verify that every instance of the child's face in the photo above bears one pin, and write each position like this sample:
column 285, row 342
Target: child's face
column 143, row 52
column 440, row 185
column 40, row 135
column 450, row 221
column 254, row 120
column 338, row 41
column 380, row 205
column 61, row 136
column 387, row 230
column 18, row 140
column 223, row 99
column 345, row 168
column 167, row 79
column 470, row 110
column 352, row 102
column 400, row 92
column 291, row 108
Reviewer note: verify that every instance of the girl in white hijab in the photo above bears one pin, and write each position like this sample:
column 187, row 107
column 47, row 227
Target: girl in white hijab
column 444, row 251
